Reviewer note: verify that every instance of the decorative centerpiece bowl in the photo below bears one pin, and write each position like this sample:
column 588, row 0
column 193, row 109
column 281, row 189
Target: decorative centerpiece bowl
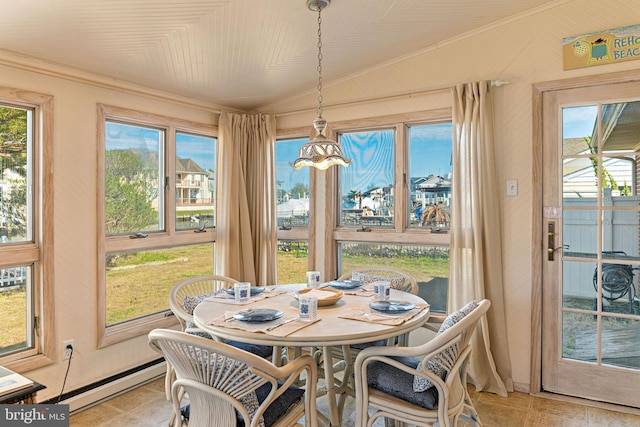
column 325, row 296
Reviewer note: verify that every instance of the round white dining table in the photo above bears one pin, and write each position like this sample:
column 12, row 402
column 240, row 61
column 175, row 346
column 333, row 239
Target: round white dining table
column 331, row 330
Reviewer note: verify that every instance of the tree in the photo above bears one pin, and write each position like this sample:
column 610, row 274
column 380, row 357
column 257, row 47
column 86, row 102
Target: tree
column 13, row 209
column 13, row 131
column 280, row 193
column 607, row 179
column 128, row 193
column 13, row 171
column 625, row 190
column 299, row 190
column 436, row 216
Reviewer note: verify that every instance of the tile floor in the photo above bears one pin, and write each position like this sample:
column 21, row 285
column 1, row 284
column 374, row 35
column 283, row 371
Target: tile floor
column 146, row 406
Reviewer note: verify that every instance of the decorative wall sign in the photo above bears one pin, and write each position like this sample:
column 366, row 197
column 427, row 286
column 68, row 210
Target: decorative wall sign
column 606, row 47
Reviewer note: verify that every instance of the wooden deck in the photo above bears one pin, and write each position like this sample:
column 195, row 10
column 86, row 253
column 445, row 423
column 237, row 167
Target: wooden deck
column 619, row 342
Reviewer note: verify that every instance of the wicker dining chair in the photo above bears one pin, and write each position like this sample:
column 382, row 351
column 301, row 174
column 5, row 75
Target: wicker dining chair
column 227, row 385
column 398, row 279
column 186, row 295
column 346, row 355
column 183, row 299
column 420, row 385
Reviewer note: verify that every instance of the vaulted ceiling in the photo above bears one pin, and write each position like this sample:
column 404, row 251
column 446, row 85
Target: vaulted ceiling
column 242, row 54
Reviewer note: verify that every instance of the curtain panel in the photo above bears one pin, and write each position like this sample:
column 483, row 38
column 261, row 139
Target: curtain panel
column 476, row 242
column 246, row 222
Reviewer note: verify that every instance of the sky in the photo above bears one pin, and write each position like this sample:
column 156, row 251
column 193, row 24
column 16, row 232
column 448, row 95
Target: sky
column 372, row 157
column 372, row 153
column 198, row 148
column 431, row 150
column 286, row 153
column 578, row 121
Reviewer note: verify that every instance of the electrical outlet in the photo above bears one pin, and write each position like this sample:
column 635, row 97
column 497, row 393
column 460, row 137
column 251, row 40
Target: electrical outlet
column 67, row 352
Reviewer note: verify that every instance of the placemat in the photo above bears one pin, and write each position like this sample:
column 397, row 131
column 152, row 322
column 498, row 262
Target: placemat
column 286, row 325
column 365, row 314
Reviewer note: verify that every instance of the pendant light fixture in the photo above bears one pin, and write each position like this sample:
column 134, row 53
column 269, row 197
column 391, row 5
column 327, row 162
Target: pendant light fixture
column 320, row 152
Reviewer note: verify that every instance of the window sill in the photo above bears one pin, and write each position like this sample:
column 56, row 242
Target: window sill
column 135, row 328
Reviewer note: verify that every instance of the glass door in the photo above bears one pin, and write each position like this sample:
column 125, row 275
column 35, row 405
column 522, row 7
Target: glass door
column 591, row 317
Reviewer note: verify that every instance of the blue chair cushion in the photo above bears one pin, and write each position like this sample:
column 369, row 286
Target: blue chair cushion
column 364, row 345
column 280, row 405
column 437, row 364
column 191, row 301
column 397, row 282
column 395, row 382
column 264, row 351
column 273, row 412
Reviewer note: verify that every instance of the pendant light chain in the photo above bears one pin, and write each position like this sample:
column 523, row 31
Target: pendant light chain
column 320, row 152
column 319, row 62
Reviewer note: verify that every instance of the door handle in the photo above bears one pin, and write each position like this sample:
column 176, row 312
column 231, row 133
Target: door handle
column 550, row 251
column 551, row 241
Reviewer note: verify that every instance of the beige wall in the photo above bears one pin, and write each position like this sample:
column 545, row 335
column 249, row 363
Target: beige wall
column 75, row 155
column 522, row 52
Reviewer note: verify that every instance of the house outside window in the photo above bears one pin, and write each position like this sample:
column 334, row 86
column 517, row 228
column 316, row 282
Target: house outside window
column 157, row 214
column 26, row 263
column 195, row 181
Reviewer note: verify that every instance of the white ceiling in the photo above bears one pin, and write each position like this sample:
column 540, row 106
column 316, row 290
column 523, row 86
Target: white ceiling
column 242, row 54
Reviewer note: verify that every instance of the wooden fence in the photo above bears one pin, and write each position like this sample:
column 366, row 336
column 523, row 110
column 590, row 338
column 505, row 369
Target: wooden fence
column 11, row 278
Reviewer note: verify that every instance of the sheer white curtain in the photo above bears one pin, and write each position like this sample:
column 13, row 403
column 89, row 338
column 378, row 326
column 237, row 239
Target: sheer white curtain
column 246, row 246
column 476, row 248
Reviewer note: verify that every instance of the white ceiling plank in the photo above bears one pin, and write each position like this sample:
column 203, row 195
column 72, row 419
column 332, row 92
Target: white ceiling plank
column 243, row 54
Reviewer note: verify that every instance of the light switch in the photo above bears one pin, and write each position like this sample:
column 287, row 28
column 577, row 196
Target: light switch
column 512, row 187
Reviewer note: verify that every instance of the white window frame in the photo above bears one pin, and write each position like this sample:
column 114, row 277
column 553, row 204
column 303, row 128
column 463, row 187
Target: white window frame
column 39, row 251
column 169, row 237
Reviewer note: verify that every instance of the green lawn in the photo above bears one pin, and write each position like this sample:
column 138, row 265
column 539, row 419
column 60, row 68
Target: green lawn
column 139, row 284
column 13, row 307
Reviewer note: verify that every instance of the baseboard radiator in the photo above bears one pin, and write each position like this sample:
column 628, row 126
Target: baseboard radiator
column 96, row 393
